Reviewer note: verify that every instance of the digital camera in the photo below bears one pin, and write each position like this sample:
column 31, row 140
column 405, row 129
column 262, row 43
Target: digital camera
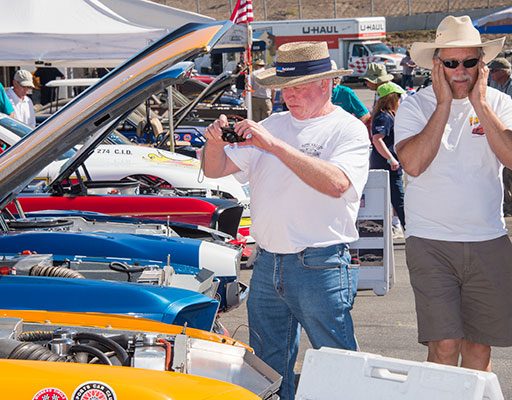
column 229, row 135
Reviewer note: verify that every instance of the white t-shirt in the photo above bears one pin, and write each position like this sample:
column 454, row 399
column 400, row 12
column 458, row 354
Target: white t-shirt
column 23, row 108
column 459, row 196
column 287, row 214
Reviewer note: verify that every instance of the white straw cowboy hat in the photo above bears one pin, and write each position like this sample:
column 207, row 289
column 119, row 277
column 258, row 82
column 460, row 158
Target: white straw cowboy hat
column 298, row 63
column 454, row 32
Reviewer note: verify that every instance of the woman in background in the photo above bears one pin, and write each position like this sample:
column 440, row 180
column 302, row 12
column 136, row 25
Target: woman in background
column 383, row 155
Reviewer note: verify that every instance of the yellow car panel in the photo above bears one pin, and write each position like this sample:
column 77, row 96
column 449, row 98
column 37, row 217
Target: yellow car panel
column 39, row 380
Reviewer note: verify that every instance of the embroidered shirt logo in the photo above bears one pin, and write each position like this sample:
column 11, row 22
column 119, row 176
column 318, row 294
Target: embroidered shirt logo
column 311, row 149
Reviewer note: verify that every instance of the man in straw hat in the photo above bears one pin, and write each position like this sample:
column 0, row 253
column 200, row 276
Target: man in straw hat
column 307, row 168
column 453, row 139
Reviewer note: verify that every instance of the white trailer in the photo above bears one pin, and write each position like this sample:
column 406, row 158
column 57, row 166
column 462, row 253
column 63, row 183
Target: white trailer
column 353, row 42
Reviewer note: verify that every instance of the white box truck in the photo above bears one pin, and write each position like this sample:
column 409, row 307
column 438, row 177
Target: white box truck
column 353, row 42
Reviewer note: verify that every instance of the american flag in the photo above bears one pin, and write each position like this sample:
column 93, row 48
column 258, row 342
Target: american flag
column 242, row 12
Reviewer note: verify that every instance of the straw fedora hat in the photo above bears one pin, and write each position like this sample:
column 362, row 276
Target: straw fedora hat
column 259, row 62
column 298, row 63
column 454, row 32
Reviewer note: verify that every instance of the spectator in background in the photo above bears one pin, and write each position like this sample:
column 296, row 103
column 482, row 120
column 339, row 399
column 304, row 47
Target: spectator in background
column 376, row 75
column 345, row 98
column 499, row 70
column 262, row 98
column 383, row 155
column 18, row 96
column 45, row 75
column 407, row 71
column 241, row 72
column 5, row 104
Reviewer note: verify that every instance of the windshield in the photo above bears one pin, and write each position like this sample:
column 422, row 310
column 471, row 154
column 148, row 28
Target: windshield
column 116, row 137
column 379, row 48
column 17, row 127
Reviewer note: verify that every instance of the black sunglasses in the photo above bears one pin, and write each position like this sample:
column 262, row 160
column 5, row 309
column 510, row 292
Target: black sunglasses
column 452, row 64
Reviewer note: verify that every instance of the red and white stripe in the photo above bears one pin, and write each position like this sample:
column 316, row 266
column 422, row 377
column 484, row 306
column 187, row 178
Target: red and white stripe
column 242, row 12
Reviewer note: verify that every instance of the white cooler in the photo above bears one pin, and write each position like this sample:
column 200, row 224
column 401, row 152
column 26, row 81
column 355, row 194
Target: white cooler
column 341, row 374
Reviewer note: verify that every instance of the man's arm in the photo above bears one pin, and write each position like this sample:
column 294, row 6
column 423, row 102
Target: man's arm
column 321, row 175
column 416, row 153
column 497, row 134
column 365, row 118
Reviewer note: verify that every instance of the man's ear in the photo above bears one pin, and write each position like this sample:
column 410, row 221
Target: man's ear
column 326, row 85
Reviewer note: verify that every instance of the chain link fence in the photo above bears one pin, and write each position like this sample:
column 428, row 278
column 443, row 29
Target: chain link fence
column 320, row 9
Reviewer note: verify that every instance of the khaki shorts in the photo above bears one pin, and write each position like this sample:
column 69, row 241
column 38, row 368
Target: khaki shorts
column 462, row 289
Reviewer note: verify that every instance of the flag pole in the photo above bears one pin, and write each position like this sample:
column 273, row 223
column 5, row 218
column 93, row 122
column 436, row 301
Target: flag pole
column 248, row 91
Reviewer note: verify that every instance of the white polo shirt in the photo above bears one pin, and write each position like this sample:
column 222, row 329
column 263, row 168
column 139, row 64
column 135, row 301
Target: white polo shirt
column 23, row 108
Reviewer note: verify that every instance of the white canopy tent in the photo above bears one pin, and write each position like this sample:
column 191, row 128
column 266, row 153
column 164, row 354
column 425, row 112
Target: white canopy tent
column 83, row 33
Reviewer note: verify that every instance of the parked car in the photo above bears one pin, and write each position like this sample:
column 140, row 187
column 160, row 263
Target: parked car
column 94, row 112
column 160, row 361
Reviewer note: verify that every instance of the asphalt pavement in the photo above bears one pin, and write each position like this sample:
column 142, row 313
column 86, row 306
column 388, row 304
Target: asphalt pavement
column 384, row 325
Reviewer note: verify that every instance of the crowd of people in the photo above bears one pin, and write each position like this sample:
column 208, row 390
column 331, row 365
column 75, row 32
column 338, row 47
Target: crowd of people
column 307, row 168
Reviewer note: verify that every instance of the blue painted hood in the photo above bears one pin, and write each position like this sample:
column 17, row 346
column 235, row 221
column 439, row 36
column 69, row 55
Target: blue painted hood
column 164, row 304
column 98, row 244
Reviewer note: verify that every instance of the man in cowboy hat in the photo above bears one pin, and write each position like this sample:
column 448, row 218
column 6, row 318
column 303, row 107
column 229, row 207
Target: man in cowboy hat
column 307, row 168
column 262, row 98
column 453, row 139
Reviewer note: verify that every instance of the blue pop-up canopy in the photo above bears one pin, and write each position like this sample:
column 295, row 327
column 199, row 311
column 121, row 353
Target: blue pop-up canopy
column 498, row 22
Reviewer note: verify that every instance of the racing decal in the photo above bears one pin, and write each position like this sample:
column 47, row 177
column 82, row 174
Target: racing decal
column 50, row 394
column 477, row 128
column 94, row 391
column 360, row 64
column 159, row 157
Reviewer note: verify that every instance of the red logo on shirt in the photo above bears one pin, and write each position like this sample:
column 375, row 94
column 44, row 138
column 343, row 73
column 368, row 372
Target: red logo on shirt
column 478, row 130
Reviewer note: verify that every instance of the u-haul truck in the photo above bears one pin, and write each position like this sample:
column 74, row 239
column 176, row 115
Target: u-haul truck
column 353, row 42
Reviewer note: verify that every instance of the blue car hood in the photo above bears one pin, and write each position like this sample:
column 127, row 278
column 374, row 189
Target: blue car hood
column 100, row 244
column 164, row 304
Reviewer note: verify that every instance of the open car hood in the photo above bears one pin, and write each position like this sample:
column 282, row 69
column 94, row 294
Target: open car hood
column 99, row 107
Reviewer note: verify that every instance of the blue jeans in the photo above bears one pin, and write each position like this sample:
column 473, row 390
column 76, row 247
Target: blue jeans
column 314, row 289
column 397, row 194
column 407, row 81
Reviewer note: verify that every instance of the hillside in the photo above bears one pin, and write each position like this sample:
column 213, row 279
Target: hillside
column 319, row 9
